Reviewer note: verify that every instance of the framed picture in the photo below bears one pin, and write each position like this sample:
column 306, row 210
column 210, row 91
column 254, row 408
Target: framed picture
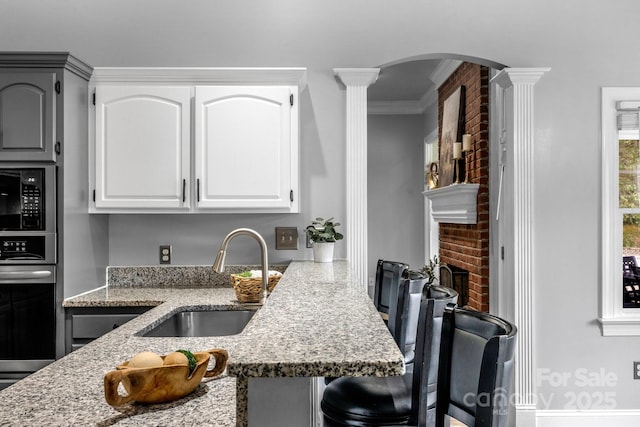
column 452, row 128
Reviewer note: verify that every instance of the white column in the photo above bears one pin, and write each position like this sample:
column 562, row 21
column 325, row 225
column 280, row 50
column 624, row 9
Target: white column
column 357, row 80
column 521, row 81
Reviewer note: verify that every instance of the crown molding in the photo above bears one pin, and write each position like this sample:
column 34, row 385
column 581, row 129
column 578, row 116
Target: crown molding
column 394, row 107
column 430, row 97
column 402, row 107
column 46, row 60
column 201, row 75
column 444, row 70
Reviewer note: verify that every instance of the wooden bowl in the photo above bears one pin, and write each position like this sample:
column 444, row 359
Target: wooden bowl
column 163, row 383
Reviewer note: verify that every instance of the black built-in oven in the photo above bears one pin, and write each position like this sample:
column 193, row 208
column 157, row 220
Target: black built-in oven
column 27, row 319
column 27, row 269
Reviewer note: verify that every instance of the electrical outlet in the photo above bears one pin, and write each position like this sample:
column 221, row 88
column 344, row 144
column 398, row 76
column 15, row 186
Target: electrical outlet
column 165, row 254
column 636, row 370
column 286, row 238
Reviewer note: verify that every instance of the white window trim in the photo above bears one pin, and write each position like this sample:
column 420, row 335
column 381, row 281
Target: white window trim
column 615, row 320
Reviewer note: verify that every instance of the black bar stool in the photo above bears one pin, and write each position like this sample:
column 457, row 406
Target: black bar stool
column 388, row 275
column 476, row 367
column 388, row 401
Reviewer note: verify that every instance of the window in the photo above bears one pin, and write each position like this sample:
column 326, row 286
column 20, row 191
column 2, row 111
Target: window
column 620, row 311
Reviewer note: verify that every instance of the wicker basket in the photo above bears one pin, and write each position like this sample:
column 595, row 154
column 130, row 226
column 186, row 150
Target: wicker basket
column 249, row 289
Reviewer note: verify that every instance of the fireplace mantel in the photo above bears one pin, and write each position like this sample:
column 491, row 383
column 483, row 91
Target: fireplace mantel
column 455, row 203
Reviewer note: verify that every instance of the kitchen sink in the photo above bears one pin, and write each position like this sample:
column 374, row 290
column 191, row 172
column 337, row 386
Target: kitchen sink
column 211, row 323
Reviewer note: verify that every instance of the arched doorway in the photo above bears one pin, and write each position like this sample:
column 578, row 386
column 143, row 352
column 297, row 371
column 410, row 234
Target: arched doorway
column 418, row 89
column 513, row 104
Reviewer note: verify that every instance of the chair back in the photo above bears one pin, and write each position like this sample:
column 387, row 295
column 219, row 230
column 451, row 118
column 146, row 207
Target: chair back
column 388, row 275
column 477, row 353
column 425, row 375
column 403, row 315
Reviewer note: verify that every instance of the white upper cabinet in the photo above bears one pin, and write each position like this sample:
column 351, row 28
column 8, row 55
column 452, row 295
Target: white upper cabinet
column 244, row 152
column 195, row 140
column 142, row 146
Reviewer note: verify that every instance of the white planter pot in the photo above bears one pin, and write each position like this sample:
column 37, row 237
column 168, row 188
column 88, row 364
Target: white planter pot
column 323, row 252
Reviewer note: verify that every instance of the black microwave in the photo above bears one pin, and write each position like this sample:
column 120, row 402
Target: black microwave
column 27, row 200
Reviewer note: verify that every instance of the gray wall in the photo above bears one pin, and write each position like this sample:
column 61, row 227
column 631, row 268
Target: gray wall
column 395, row 183
column 587, row 43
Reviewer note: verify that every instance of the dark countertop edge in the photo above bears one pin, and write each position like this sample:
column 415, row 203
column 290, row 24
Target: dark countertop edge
column 310, row 369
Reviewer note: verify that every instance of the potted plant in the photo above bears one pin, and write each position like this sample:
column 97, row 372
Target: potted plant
column 322, row 234
column 430, row 269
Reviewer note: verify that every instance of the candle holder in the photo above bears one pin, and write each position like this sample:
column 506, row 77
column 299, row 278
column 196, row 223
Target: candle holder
column 466, row 148
column 466, row 170
column 456, row 170
column 457, row 155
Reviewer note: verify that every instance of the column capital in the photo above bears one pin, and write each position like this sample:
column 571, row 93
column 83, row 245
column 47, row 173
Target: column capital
column 357, row 76
column 509, row 77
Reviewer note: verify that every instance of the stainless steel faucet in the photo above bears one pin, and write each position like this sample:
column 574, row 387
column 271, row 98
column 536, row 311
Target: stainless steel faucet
column 218, row 264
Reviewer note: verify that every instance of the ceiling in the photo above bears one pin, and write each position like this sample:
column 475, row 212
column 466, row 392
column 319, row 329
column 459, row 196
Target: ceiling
column 407, row 81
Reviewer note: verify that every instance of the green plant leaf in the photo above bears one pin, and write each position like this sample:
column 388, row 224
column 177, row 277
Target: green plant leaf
column 322, row 230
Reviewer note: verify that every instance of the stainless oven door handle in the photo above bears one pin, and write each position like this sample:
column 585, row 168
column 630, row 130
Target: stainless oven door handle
column 21, row 275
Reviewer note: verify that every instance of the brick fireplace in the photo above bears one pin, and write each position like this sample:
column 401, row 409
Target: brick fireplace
column 466, row 246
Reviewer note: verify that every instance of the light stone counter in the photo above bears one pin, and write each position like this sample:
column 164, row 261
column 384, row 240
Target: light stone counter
column 315, row 323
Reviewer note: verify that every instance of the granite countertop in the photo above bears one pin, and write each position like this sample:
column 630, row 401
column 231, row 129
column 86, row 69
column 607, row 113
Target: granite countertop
column 315, row 323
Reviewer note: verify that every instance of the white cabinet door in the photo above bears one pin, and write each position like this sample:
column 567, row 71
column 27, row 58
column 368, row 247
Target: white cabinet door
column 142, row 149
column 246, row 148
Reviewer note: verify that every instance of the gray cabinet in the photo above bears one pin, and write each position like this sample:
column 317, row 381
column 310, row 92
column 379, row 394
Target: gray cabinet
column 42, row 95
column 27, row 115
column 44, row 104
column 86, row 324
column 44, row 107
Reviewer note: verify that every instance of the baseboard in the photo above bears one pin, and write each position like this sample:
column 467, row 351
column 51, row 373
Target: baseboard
column 566, row 418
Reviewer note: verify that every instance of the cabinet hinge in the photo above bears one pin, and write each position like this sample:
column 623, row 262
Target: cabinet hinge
column 58, row 148
column 291, row 195
column 291, row 99
column 57, row 86
column 94, row 98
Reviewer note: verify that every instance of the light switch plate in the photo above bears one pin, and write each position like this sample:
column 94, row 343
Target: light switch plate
column 286, row 238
